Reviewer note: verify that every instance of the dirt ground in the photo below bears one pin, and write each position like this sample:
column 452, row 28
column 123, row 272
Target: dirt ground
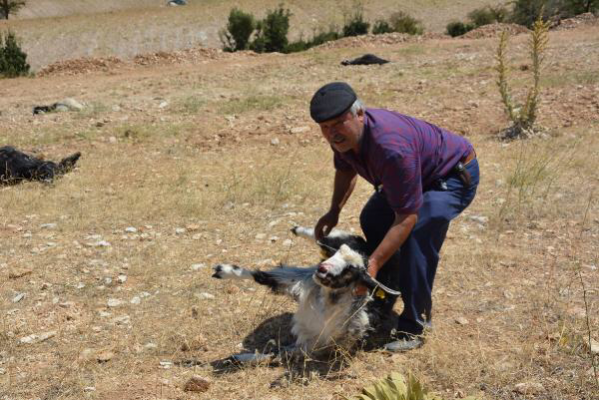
column 105, row 275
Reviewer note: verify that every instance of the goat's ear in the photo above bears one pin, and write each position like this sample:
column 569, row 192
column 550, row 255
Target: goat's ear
column 372, row 284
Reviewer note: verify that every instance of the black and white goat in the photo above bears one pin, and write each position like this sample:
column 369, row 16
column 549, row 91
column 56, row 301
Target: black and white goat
column 329, row 314
column 16, row 166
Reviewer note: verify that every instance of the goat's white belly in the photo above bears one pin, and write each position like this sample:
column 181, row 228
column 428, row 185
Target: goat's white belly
column 317, row 324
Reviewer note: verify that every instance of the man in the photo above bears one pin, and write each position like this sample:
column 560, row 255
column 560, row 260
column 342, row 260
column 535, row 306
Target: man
column 423, row 176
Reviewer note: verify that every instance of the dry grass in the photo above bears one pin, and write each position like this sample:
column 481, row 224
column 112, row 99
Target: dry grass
column 205, row 163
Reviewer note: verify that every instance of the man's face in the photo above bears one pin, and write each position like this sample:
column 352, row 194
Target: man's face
column 344, row 132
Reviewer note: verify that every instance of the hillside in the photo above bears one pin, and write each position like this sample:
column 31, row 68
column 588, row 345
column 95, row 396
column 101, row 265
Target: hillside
column 73, row 29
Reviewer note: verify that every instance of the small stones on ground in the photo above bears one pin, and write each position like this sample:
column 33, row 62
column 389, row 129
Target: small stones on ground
column 197, row 384
column 275, row 142
column 121, row 278
column 299, row 129
column 166, row 364
column 180, row 231
column 28, row 339
column 49, row 226
column 114, row 302
column 46, row 335
column 288, row 243
column 18, row 297
column 461, row 321
column 205, row 296
column 260, row 236
column 89, row 389
column 135, row 300
column 131, row 229
column 197, row 267
column 527, row 388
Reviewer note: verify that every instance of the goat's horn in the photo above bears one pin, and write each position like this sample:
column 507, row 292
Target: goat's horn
column 372, row 283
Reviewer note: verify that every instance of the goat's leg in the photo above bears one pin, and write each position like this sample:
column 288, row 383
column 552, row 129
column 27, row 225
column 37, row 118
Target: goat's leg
column 281, row 280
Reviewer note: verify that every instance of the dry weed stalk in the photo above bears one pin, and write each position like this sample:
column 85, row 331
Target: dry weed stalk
column 523, row 117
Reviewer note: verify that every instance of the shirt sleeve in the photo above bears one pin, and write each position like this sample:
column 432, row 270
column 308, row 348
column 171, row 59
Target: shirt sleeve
column 402, row 183
column 340, row 163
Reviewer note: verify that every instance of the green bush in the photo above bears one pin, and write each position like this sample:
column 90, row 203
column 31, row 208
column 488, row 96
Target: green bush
column 272, row 32
column 239, row 30
column 571, row 8
column 356, row 25
column 458, row 28
column 381, row 27
column 526, row 12
column 487, row 15
column 13, row 60
column 317, row 40
column 404, row 23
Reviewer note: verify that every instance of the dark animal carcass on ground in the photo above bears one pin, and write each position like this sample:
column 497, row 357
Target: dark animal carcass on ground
column 366, row 59
column 16, row 166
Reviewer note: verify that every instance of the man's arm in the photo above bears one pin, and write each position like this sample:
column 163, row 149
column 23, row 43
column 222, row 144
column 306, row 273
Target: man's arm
column 395, row 237
column 344, row 184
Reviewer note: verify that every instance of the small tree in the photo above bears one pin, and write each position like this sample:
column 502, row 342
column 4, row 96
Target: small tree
column 271, row 35
column 380, row 27
column 404, row 23
column 356, row 25
column 526, row 12
column 239, row 28
column 458, row 28
column 8, row 7
column 523, row 117
column 487, row 15
column 13, row 60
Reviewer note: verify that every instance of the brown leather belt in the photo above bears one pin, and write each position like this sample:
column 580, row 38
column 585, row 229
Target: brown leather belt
column 460, row 168
column 468, row 158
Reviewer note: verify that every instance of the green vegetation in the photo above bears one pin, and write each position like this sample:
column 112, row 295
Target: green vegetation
column 476, row 18
column 13, row 60
column 356, row 25
column 239, row 29
column 523, row 117
column 8, row 7
column 271, row 33
column 395, row 387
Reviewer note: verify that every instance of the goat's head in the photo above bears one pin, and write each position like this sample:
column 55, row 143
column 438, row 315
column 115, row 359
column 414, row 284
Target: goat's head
column 344, row 270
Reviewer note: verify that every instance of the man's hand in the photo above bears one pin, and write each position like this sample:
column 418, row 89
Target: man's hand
column 373, row 270
column 325, row 224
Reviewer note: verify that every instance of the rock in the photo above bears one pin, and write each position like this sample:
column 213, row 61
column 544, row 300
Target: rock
column 275, row 142
column 197, row 384
column 89, row 389
column 461, row 321
column 193, row 227
column 197, row 267
column 180, row 231
column 114, row 302
column 28, row 339
column 48, row 226
column 131, row 230
column 104, row 356
column 260, row 236
column 593, row 346
column 112, row 140
column 122, row 278
column 135, row 300
column 529, row 388
column 18, row 297
column 163, row 104
column 205, row 296
column 46, row 335
column 299, row 129
column 288, row 243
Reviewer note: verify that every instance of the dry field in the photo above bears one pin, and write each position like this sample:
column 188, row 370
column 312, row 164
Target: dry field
column 125, row 28
column 105, row 288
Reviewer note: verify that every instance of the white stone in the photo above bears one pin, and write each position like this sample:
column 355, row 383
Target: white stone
column 47, row 335
column 275, row 142
column 197, row 267
column 114, row 302
column 288, row 243
column 18, row 297
column 28, row 339
column 299, row 129
column 48, row 226
column 130, row 229
column 135, row 300
column 205, row 296
column 122, row 278
column 180, row 231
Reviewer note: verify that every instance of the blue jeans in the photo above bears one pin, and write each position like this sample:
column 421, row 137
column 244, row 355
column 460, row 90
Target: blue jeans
column 411, row 270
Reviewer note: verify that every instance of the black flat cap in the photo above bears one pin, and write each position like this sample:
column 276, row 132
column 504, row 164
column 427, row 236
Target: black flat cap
column 331, row 101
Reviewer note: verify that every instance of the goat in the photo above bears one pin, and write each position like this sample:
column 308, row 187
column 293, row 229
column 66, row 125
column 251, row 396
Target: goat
column 329, row 315
column 366, row 59
column 16, row 166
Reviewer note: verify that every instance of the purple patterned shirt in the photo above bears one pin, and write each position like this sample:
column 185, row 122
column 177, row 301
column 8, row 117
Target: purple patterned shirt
column 404, row 155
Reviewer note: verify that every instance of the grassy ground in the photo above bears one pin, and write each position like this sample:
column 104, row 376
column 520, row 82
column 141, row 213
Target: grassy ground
column 201, row 161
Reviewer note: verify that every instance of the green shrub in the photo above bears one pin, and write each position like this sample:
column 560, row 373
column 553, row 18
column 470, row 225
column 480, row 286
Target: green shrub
column 13, row 60
column 317, row 40
column 527, row 12
column 356, row 25
column 458, row 28
column 487, row 15
column 380, row 27
column 404, row 23
column 570, row 8
column 239, row 30
column 272, row 31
